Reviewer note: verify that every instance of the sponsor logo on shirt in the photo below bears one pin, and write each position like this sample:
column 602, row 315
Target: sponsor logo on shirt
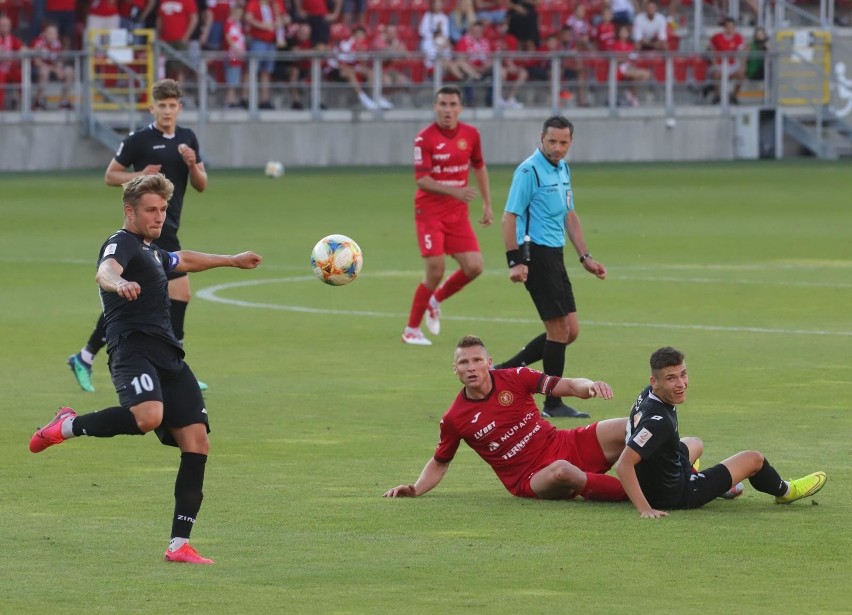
column 159, row 147
column 636, row 418
column 418, row 154
column 441, row 157
column 440, row 146
column 485, row 430
column 642, row 437
column 493, row 446
column 475, row 417
column 110, row 249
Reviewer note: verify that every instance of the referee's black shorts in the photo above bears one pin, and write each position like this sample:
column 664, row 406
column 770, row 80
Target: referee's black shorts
column 169, row 241
column 548, row 283
column 145, row 368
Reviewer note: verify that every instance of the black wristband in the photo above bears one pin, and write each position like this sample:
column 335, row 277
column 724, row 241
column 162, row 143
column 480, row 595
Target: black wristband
column 514, row 257
column 585, row 256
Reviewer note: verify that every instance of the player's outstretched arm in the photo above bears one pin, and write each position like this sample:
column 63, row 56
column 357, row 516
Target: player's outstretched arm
column 625, row 467
column 582, row 388
column 192, row 261
column 432, row 474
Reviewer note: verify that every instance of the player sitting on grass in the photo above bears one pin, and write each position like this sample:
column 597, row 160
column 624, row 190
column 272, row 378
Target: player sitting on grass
column 496, row 415
column 656, row 465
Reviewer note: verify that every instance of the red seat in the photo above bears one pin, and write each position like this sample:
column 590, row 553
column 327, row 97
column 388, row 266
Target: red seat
column 681, row 66
column 699, row 69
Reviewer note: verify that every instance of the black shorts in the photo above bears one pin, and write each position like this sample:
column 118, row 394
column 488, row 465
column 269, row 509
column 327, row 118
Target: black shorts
column 707, row 485
column 320, row 29
column 168, row 241
column 548, row 283
column 144, row 368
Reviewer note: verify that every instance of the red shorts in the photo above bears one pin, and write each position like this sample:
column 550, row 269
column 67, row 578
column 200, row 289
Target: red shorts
column 579, row 447
column 449, row 234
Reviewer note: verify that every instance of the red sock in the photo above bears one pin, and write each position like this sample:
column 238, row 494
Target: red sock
column 452, row 285
column 603, row 488
column 418, row 305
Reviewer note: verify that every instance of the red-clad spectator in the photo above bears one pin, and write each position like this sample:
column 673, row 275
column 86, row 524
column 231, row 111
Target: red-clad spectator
column 10, row 70
column 388, row 40
column 103, row 15
column 581, row 27
column 62, row 13
column 319, row 17
column 295, row 71
column 478, row 51
column 50, row 66
column 728, row 40
column 176, row 21
column 235, row 45
column 627, row 70
column 347, row 66
column 265, row 28
column 133, row 14
column 511, row 69
column 604, row 33
column 220, row 12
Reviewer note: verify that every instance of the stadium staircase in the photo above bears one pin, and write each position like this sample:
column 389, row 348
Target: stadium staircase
column 121, row 68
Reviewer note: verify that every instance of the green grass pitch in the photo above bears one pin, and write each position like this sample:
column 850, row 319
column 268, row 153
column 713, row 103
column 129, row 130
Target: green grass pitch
column 317, row 407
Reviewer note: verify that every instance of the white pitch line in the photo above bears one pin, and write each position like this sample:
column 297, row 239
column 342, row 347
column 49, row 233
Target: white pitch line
column 210, row 294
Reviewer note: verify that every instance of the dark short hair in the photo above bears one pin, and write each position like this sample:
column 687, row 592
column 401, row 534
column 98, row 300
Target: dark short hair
column 469, row 341
column 558, row 121
column 166, row 88
column 449, row 90
column 666, row 357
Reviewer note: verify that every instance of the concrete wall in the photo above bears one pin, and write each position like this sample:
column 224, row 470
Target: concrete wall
column 54, row 141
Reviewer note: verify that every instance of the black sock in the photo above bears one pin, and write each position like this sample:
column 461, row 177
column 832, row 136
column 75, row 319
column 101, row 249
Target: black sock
column 767, row 480
column 530, row 353
column 188, row 493
column 107, row 423
column 553, row 364
column 97, row 339
column 178, row 313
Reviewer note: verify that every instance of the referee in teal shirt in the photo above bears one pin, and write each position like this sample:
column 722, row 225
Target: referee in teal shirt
column 539, row 212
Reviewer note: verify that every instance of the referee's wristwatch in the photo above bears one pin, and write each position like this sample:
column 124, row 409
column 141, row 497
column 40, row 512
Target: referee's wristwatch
column 584, row 257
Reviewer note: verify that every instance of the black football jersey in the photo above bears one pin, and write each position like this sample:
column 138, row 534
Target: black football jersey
column 652, row 431
column 147, row 265
column 151, row 146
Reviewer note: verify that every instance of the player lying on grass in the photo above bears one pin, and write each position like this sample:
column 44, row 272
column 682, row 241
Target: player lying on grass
column 496, row 415
column 656, row 465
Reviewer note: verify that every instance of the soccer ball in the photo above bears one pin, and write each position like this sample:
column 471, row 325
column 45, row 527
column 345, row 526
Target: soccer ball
column 336, row 260
column 274, row 169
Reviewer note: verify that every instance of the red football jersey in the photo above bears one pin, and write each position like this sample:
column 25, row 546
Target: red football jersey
column 445, row 155
column 505, row 428
column 723, row 42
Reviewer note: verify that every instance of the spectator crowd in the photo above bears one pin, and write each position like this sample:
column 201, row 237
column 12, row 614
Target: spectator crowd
column 457, row 37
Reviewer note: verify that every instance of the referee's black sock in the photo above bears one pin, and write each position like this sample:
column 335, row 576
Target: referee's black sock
column 553, row 364
column 532, row 352
column 107, row 423
column 767, row 480
column 188, row 493
column 178, row 314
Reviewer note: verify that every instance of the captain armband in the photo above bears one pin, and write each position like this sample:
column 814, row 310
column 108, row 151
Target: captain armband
column 174, row 261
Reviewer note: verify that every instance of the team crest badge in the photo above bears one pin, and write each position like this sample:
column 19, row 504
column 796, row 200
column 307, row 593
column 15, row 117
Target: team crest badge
column 461, row 144
column 505, row 398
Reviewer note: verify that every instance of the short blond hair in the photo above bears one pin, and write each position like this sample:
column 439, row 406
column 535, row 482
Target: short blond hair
column 139, row 186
